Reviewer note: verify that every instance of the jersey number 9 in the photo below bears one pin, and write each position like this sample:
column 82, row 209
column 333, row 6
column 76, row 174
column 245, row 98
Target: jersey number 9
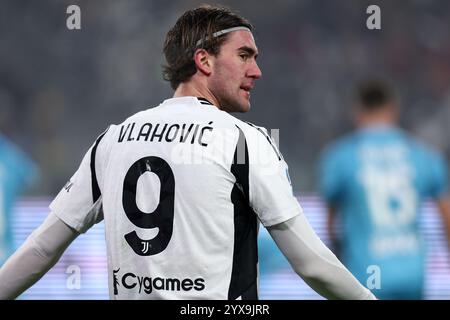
column 161, row 217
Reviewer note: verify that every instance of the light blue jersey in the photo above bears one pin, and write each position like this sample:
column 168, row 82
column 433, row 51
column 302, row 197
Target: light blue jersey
column 16, row 171
column 377, row 179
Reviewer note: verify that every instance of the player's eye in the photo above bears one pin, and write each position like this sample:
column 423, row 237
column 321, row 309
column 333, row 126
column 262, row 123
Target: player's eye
column 244, row 56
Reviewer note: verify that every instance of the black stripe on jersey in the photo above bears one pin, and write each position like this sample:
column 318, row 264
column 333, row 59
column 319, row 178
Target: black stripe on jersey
column 95, row 188
column 243, row 281
column 204, row 101
column 278, row 153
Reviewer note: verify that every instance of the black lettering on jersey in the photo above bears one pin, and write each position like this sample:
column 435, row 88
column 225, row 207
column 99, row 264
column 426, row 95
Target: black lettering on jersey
column 160, row 285
column 202, row 133
column 199, row 284
column 177, row 127
column 156, row 134
column 145, row 131
column 170, row 132
column 131, row 131
column 123, row 133
column 183, row 137
column 145, row 284
column 194, row 134
column 187, row 284
column 173, row 284
column 125, row 284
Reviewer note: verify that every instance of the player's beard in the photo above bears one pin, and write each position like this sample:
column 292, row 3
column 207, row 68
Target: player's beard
column 233, row 103
column 226, row 87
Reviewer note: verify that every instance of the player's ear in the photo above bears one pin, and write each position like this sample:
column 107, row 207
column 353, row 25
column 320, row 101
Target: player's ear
column 203, row 61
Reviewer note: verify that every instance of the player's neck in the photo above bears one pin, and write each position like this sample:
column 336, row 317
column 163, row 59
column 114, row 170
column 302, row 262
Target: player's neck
column 377, row 119
column 189, row 89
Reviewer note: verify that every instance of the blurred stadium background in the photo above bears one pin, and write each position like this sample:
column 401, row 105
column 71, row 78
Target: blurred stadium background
column 59, row 89
column 277, row 280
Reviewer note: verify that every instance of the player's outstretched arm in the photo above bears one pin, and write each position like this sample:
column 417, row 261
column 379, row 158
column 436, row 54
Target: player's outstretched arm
column 314, row 262
column 35, row 257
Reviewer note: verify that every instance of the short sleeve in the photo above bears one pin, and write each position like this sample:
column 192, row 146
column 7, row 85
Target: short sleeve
column 79, row 203
column 270, row 191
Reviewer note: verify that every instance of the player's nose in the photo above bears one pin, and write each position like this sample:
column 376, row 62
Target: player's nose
column 254, row 71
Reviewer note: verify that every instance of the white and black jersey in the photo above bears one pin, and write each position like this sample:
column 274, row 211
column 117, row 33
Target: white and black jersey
column 181, row 188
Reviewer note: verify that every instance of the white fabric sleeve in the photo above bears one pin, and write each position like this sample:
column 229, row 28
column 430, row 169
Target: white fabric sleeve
column 314, row 262
column 270, row 190
column 79, row 203
column 35, row 257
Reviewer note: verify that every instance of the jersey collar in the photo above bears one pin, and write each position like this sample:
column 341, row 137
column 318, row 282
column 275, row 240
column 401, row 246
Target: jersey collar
column 189, row 100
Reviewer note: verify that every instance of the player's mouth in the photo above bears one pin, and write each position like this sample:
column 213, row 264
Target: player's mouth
column 247, row 88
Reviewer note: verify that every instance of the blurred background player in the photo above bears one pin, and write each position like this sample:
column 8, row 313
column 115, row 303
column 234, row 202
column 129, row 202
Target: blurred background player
column 16, row 172
column 376, row 180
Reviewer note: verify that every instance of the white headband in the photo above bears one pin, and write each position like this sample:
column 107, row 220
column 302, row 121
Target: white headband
column 221, row 32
